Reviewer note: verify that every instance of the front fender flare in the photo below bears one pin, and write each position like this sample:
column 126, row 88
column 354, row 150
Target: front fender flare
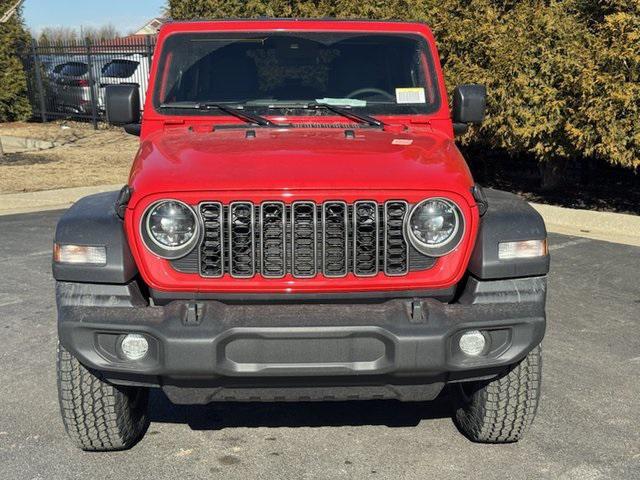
column 93, row 220
column 508, row 219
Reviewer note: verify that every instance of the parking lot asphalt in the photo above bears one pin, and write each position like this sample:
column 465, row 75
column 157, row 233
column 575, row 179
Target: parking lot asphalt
column 588, row 424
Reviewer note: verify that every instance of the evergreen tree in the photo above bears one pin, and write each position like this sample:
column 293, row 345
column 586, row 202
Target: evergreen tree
column 14, row 39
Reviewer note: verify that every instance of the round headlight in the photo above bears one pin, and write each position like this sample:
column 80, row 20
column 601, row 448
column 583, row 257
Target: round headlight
column 435, row 226
column 170, row 228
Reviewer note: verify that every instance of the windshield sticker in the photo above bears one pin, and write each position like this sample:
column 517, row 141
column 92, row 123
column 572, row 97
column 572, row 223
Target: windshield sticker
column 343, row 102
column 401, row 141
column 410, row 95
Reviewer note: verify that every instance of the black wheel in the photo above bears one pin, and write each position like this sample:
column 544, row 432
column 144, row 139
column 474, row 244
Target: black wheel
column 501, row 410
column 97, row 415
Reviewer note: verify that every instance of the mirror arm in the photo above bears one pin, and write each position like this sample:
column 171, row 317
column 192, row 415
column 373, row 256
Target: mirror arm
column 460, row 128
column 133, row 128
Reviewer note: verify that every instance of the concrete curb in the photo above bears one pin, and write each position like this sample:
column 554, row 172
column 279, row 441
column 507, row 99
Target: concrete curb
column 13, row 144
column 14, row 203
column 610, row 227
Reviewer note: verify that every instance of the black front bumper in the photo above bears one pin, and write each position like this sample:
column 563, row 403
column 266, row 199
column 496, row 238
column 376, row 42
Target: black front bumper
column 400, row 341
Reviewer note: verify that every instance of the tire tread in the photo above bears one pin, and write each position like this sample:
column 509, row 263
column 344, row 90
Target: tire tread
column 97, row 415
column 501, row 410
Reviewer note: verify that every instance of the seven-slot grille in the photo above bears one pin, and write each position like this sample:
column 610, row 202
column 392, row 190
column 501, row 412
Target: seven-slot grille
column 304, row 239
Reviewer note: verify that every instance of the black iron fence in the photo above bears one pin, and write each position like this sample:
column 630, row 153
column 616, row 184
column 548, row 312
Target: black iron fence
column 68, row 80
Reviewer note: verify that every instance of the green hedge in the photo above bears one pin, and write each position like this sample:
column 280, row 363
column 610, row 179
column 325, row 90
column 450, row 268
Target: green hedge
column 13, row 85
column 563, row 76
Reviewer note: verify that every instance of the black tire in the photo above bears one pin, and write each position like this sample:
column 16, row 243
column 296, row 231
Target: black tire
column 97, row 415
column 501, row 410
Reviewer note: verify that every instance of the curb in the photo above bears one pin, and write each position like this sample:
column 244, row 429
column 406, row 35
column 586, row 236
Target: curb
column 15, row 203
column 14, row 144
column 607, row 226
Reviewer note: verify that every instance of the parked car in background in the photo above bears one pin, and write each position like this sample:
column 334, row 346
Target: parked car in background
column 125, row 69
column 51, row 68
column 73, row 83
column 62, row 82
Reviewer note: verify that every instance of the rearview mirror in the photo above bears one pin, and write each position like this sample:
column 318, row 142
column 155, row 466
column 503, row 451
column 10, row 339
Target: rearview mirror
column 122, row 103
column 469, row 105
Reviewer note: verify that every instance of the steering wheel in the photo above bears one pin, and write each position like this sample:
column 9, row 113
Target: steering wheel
column 378, row 91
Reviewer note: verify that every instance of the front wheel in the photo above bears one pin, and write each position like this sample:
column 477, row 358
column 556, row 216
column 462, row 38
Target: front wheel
column 501, row 410
column 97, row 415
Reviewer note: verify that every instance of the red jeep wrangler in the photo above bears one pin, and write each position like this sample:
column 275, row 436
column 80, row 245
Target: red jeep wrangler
column 298, row 225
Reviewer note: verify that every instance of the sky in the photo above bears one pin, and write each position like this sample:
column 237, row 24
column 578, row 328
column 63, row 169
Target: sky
column 125, row 15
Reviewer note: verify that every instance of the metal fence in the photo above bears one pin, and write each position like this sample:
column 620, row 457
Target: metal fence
column 68, row 80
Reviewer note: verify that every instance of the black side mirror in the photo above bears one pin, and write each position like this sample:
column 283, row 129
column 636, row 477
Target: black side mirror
column 122, row 103
column 469, row 105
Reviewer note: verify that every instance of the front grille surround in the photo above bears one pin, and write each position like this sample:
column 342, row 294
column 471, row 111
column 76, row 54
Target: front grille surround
column 304, row 239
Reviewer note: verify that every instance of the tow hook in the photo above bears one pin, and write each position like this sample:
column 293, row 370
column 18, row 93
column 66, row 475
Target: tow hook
column 418, row 314
column 193, row 316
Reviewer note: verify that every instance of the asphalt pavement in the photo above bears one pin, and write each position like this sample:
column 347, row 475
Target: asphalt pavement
column 588, row 424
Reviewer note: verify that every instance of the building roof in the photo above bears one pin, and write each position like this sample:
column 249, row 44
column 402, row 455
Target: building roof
column 152, row 26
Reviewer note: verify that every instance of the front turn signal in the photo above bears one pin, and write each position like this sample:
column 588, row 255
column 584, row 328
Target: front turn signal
column 522, row 249
column 80, row 254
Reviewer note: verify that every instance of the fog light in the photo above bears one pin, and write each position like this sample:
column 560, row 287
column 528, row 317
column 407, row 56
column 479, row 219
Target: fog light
column 134, row 346
column 472, row 343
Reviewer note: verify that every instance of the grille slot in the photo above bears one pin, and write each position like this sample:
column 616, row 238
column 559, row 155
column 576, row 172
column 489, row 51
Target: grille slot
column 304, row 239
column 335, row 239
column 396, row 261
column 366, row 239
column 211, row 252
column 273, row 224
column 241, row 240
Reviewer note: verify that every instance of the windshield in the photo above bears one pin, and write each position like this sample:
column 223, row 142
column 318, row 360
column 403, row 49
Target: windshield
column 367, row 73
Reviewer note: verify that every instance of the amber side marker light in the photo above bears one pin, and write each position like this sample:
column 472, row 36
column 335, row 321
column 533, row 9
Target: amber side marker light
column 523, row 249
column 79, row 254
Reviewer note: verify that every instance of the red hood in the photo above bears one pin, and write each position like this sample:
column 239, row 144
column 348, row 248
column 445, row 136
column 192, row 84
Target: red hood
column 179, row 160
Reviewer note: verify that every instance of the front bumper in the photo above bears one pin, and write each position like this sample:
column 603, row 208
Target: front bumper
column 209, row 342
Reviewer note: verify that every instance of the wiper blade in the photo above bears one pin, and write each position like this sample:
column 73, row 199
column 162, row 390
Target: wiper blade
column 236, row 112
column 347, row 112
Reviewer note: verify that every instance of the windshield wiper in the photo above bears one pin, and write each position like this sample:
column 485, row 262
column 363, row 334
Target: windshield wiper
column 346, row 112
column 236, row 112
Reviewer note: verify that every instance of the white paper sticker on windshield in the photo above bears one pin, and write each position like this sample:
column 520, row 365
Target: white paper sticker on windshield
column 410, row 95
column 343, row 102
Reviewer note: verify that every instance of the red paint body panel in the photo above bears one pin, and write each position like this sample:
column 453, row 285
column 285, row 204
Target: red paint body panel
column 187, row 158
column 296, row 159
